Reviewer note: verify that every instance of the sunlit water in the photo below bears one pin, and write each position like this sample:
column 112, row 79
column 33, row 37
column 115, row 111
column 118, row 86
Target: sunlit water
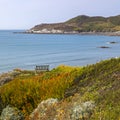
column 25, row 51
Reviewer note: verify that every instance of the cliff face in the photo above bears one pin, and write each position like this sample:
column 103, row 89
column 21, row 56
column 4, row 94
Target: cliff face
column 80, row 24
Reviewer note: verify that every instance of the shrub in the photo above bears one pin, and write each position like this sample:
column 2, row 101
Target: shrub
column 26, row 93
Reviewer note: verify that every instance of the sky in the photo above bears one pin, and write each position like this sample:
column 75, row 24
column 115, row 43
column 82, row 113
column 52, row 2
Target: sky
column 24, row 14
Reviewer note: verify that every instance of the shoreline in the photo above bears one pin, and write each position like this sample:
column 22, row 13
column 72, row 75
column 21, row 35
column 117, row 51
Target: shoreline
column 72, row 33
column 84, row 65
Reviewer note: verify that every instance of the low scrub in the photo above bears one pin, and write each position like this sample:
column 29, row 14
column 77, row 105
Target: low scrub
column 26, row 92
column 99, row 82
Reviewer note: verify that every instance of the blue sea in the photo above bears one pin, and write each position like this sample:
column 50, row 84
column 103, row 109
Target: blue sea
column 25, row 51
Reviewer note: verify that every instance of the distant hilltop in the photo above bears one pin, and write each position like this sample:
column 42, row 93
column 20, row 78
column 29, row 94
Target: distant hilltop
column 81, row 24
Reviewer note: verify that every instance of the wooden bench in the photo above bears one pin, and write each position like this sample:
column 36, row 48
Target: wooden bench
column 42, row 68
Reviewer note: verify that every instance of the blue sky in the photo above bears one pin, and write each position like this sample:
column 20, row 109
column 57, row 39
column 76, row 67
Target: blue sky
column 24, row 14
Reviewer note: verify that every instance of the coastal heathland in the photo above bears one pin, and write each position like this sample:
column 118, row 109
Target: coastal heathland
column 65, row 93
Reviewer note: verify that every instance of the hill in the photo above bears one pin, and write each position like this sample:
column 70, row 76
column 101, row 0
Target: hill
column 81, row 24
column 65, row 93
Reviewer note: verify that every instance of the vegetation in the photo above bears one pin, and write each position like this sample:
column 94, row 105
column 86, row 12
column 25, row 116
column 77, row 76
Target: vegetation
column 85, row 24
column 99, row 82
column 26, row 92
column 97, row 24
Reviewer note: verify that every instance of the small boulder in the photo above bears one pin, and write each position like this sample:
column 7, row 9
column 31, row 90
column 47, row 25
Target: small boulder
column 40, row 111
column 82, row 111
column 5, row 80
column 11, row 113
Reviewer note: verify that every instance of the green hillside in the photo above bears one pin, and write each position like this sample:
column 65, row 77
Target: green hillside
column 99, row 82
column 97, row 24
column 82, row 24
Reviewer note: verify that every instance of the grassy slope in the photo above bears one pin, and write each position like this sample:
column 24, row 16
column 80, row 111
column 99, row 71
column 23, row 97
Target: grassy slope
column 98, row 24
column 99, row 82
column 85, row 24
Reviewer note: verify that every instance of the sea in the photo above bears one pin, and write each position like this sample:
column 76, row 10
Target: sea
column 25, row 51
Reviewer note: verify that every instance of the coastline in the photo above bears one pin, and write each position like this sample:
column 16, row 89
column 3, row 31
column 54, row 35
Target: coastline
column 15, row 71
column 73, row 33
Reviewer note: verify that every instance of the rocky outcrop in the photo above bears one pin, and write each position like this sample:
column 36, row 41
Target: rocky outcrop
column 59, row 28
column 82, row 111
column 41, row 111
column 52, row 31
column 117, row 33
column 104, row 47
column 11, row 113
column 5, row 80
column 7, row 77
column 52, row 109
column 113, row 42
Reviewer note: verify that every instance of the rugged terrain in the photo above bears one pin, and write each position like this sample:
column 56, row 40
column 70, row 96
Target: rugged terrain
column 82, row 24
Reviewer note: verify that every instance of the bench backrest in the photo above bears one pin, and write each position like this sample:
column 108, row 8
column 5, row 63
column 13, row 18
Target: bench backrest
column 42, row 68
